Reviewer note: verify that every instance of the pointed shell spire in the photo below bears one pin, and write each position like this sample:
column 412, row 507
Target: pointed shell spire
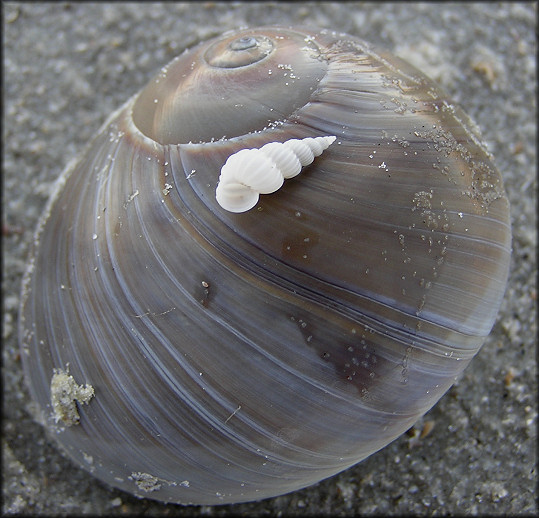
column 251, row 172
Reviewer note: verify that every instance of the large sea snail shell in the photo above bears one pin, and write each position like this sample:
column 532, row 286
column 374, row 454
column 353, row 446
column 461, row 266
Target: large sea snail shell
column 192, row 354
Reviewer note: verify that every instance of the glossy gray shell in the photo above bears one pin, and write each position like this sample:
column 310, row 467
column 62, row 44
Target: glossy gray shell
column 236, row 357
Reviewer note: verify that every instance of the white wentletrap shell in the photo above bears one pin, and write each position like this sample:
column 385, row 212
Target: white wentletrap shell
column 251, row 172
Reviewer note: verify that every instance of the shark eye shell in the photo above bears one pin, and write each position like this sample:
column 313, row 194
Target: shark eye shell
column 206, row 356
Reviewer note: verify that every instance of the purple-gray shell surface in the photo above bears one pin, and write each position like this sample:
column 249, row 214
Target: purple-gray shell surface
column 189, row 354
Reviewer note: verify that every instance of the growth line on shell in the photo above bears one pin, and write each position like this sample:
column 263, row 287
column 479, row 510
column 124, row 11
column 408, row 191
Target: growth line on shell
column 251, row 172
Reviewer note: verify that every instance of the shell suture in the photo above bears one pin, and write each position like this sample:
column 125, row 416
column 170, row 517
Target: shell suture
column 251, row 172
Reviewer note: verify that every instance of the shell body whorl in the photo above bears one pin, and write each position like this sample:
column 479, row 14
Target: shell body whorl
column 234, row 357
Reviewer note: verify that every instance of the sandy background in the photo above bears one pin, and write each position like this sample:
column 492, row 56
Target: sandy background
column 67, row 66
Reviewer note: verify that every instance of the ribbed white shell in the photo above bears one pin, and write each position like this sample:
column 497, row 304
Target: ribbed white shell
column 251, row 172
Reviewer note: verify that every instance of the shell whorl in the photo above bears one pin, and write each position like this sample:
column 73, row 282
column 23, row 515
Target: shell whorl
column 251, row 172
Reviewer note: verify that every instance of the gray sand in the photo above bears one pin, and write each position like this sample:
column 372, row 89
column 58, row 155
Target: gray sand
column 67, row 66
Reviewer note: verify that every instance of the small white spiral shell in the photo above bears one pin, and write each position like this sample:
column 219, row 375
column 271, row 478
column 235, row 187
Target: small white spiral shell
column 251, row 172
